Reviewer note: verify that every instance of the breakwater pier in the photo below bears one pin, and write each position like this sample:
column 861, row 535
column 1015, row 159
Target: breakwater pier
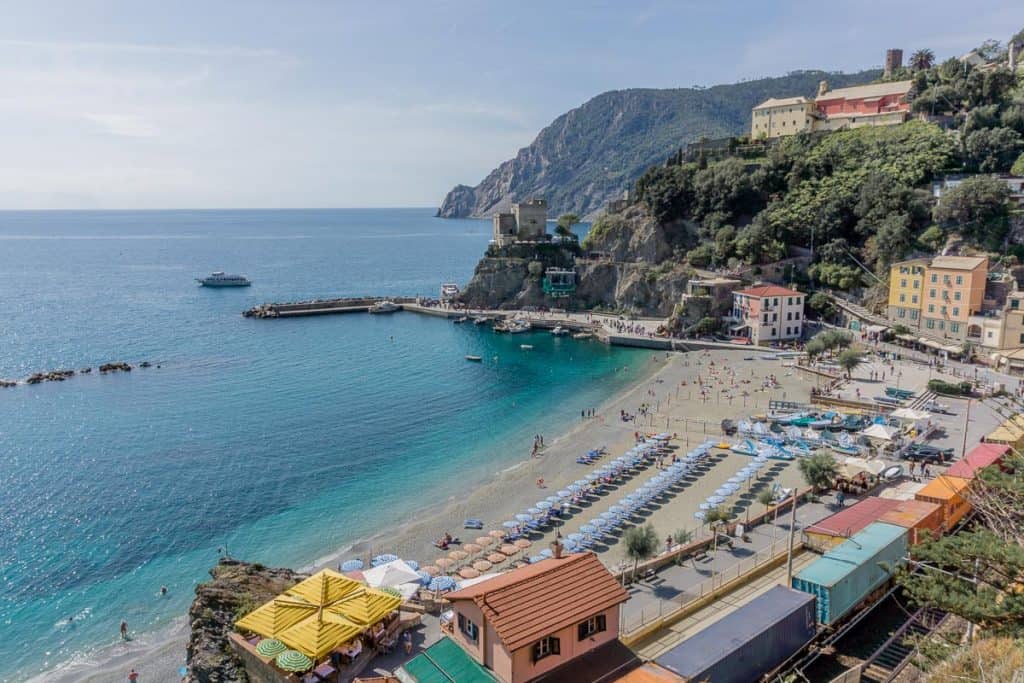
column 599, row 325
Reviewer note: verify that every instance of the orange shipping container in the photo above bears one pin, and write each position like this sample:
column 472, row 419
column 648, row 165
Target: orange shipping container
column 950, row 493
column 917, row 516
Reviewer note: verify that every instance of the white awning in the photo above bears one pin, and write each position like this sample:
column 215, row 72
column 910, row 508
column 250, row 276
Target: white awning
column 910, row 414
column 875, row 329
column 880, row 432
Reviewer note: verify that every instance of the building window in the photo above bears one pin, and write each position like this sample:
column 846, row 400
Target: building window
column 903, row 282
column 774, row 332
column 945, row 279
column 900, row 313
column 544, row 647
column 956, row 296
column 931, row 308
column 789, row 316
column 591, row 626
column 942, row 325
column 796, row 316
column 931, row 293
column 943, row 310
column 903, row 298
column 917, row 284
column 959, row 279
column 935, row 278
column 930, row 324
column 913, row 299
column 954, row 327
column 956, row 311
column 468, row 628
column 1022, row 339
column 913, row 315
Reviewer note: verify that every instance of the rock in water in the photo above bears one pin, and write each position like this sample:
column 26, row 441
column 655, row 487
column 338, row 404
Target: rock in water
column 237, row 588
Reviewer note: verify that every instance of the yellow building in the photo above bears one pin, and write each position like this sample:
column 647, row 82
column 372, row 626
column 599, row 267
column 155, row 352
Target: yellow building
column 1001, row 329
column 906, row 282
column 954, row 289
column 775, row 118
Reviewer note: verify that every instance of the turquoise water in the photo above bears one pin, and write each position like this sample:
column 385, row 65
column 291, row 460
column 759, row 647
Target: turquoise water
column 281, row 440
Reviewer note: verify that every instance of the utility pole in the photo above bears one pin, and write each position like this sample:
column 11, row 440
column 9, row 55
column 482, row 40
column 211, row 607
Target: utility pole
column 792, row 535
column 967, row 424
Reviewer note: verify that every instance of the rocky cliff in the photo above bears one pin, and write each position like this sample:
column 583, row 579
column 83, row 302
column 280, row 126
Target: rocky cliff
column 636, row 269
column 595, row 152
column 237, row 588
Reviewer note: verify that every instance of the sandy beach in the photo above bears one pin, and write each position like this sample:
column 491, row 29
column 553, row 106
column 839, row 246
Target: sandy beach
column 668, row 385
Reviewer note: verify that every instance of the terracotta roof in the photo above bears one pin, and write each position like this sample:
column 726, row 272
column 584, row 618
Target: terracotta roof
column 773, row 102
column 958, row 262
column 531, row 602
column 649, row 673
column 982, row 455
column 768, row 290
column 849, row 521
column 868, row 91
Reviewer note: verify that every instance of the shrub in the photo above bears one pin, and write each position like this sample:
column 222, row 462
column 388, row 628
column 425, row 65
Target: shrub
column 950, row 388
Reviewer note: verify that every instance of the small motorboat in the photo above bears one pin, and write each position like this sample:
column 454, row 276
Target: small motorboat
column 481, row 320
column 582, row 335
column 559, row 331
column 384, row 307
column 519, row 326
column 459, row 321
column 526, row 347
column 475, row 359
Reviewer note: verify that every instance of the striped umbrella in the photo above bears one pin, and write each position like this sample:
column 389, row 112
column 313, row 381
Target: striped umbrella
column 468, row 573
column 522, row 543
column 270, row 647
column 565, row 493
column 413, row 564
column 575, row 538
column 482, row 565
column 536, row 511
column 432, row 570
column 293, row 660
column 554, row 500
column 383, row 559
column 716, row 500
column 496, row 558
column 588, row 529
column 699, row 515
column 543, row 505
column 425, row 576
column 523, row 517
column 484, row 541
column 351, row 565
column 442, row 583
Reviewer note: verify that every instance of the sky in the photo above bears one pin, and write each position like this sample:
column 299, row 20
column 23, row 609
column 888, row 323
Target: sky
column 302, row 103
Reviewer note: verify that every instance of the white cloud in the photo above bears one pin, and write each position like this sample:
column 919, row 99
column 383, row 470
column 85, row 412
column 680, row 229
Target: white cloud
column 123, row 125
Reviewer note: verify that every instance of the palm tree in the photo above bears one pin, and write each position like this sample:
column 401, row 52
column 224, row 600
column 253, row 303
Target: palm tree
column 766, row 498
column 922, row 59
column 818, row 470
column 565, row 223
column 714, row 517
column 641, row 543
column 849, row 360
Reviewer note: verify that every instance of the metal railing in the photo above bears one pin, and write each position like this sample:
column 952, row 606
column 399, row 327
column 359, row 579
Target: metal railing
column 667, row 607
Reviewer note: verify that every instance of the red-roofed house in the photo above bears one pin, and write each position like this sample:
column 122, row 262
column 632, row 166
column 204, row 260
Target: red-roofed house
column 982, row 455
column 767, row 313
column 532, row 620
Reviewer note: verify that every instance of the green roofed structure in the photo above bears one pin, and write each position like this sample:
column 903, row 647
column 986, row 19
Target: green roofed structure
column 444, row 662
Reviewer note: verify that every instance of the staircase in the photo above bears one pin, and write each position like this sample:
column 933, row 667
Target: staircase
column 889, row 659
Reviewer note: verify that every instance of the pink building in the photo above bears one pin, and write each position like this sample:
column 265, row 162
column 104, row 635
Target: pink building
column 767, row 314
column 862, row 105
column 533, row 620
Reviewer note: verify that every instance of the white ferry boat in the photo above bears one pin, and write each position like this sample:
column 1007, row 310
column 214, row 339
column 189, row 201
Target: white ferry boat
column 220, row 279
column 449, row 291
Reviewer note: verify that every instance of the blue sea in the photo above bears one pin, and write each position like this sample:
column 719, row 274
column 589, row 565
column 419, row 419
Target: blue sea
column 280, row 440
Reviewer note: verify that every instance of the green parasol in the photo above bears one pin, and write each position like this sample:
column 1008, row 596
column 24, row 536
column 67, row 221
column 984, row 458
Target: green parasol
column 270, row 647
column 390, row 590
column 293, row 660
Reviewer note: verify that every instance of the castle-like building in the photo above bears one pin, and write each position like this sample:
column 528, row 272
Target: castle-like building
column 526, row 223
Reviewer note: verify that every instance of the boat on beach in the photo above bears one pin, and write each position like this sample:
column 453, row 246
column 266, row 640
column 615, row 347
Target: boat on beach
column 384, row 307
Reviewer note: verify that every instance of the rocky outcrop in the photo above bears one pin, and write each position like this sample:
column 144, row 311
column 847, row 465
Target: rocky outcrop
column 51, row 376
column 594, row 153
column 115, row 367
column 237, row 588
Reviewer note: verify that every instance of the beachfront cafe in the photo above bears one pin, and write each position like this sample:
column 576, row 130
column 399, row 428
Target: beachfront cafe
column 325, row 628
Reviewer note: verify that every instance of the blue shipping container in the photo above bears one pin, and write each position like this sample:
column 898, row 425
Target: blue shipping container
column 745, row 645
column 848, row 573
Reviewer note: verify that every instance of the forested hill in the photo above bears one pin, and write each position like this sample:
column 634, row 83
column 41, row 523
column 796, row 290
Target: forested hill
column 593, row 153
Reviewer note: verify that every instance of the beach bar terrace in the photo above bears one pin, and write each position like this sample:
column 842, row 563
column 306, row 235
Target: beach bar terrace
column 325, row 626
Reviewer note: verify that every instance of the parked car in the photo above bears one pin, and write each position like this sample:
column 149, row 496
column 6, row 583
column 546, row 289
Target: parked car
column 936, row 407
column 927, row 454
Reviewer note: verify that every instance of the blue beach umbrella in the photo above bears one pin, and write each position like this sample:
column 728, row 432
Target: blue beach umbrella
column 510, row 524
column 413, row 564
column 716, row 500
column 617, row 510
column 705, row 506
column 383, row 559
column 580, row 482
column 575, row 488
column 699, row 515
column 534, row 511
column 425, row 578
column 543, row 505
column 722, row 491
column 575, row 538
column 442, row 583
column 565, row 493
column 351, row 565
column 546, row 553
column 588, row 529
column 554, row 500
column 523, row 517
column 536, row 558
column 598, row 522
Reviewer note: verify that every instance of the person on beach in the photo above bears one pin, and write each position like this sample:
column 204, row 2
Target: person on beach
column 540, row 482
column 133, row 676
column 124, row 630
column 407, row 642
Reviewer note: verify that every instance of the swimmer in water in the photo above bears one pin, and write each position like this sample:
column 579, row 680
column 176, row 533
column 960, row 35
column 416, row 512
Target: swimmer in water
column 163, row 590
